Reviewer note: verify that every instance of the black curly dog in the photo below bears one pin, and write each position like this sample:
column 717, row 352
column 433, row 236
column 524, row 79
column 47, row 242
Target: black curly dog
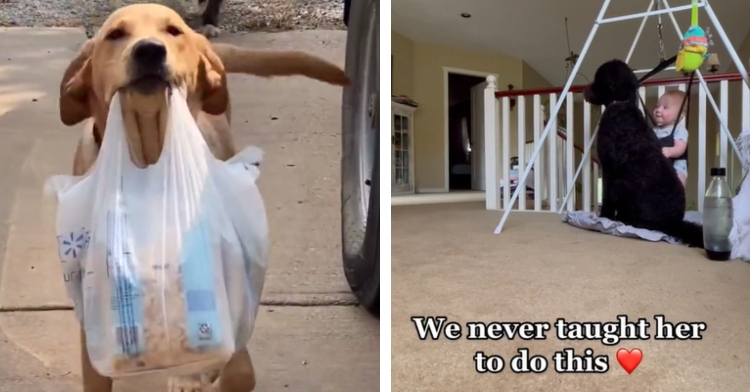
column 640, row 185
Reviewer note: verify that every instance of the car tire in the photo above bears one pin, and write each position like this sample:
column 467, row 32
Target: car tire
column 360, row 173
column 347, row 9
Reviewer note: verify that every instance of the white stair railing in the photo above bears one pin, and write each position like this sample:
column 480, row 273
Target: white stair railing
column 561, row 172
column 556, row 165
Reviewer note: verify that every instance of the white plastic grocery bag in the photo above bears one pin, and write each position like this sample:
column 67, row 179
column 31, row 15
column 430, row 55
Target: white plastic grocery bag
column 165, row 265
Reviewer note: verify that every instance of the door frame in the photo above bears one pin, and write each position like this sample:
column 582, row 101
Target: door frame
column 478, row 173
column 446, row 139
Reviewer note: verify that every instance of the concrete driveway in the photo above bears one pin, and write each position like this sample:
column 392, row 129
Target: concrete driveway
column 309, row 336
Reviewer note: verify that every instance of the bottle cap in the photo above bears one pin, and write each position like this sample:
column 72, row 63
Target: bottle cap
column 718, row 171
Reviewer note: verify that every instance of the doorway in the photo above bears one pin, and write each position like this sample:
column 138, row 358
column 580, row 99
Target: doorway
column 465, row 131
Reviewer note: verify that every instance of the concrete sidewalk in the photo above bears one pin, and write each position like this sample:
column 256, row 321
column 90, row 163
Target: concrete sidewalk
column 309, row 336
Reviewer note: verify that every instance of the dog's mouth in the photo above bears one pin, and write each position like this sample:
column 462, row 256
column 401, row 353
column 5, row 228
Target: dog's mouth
column 588, row 95
column 149, row 83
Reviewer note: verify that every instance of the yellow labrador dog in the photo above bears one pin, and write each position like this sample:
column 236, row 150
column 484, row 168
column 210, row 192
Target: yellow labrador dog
column 140, row 51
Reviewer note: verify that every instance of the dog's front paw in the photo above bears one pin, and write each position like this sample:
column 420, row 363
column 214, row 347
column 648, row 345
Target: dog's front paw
column 209, row 31
column 202, row 382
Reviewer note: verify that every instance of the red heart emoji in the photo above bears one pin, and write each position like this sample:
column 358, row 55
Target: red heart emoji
column 629, row 360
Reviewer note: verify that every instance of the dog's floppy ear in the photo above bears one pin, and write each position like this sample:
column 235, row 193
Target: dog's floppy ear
column 75, row 87
column 213, row 79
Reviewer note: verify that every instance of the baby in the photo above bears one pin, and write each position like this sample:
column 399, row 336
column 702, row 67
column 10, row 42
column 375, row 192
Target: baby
column 673, row 139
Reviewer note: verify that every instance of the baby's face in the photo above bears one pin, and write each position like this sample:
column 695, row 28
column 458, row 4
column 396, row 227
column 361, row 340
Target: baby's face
column 667, row 111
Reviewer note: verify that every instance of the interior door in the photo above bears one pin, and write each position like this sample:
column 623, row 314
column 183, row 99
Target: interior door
column 477, row 137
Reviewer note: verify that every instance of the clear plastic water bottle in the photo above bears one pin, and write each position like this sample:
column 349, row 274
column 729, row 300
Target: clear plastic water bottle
column 717, row 216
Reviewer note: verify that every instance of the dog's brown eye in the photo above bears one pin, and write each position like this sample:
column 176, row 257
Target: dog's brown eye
column 174, row 31
column 115, row 34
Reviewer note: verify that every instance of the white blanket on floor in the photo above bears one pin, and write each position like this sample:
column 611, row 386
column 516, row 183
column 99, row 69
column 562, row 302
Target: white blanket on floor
column 591, row 221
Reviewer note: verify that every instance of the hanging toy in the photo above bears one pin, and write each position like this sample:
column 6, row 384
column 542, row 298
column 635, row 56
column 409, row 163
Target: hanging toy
column 694, row 47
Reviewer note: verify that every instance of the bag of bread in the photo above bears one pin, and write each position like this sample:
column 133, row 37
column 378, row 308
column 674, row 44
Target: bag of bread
column 165, row 265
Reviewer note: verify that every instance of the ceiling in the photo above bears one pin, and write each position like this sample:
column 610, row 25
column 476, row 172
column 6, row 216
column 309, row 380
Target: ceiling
column 534, row 30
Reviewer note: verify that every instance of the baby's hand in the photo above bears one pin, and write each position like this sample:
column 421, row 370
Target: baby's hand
column 665, row 151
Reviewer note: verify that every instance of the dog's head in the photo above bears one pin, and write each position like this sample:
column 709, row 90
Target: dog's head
column 140, row 51
column 613, row 81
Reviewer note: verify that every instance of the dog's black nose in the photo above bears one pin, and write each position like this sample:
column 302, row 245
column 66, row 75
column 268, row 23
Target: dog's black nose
column 149, row 53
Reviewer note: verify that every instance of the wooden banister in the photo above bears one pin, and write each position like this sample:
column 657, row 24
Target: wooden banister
column 656, row 82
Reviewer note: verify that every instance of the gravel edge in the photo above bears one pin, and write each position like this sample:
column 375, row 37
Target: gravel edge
column 236, row 15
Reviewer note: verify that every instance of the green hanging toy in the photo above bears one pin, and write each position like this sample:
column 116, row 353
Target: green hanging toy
column 694, row 47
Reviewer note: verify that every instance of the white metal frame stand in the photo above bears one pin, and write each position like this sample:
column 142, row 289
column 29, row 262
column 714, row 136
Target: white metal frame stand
column 600, row 20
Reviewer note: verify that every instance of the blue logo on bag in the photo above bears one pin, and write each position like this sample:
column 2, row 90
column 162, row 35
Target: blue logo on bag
column 73, row 245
